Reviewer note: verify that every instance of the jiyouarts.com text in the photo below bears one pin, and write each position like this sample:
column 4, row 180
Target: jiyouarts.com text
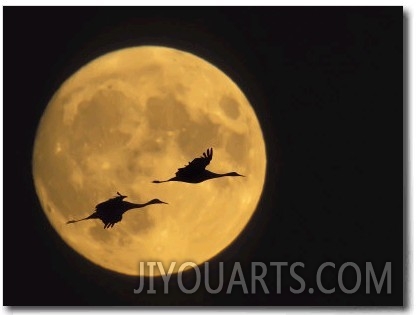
column 363, row 276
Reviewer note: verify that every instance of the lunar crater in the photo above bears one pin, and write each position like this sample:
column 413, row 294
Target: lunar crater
column 230, row 107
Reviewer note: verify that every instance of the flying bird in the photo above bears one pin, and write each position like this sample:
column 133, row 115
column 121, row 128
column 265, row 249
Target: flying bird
column 195, row 172
column 111, row 211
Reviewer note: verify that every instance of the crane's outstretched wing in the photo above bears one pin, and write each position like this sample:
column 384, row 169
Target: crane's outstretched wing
column 197, row 165
column 111, row 204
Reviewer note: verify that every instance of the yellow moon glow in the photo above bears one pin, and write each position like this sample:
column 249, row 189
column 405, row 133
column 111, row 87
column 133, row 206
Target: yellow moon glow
column 133, row 116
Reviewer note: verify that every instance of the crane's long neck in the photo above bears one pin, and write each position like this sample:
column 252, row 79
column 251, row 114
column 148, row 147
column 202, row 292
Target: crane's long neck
column 216, row 175
column 129, row 205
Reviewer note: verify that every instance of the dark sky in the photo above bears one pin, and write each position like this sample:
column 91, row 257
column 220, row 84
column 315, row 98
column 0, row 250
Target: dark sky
column 327, row 86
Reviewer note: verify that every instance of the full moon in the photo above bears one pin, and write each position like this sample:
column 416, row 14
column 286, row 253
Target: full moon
column 133, row 116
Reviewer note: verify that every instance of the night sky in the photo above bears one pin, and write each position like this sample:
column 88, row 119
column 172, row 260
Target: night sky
column 327, row 87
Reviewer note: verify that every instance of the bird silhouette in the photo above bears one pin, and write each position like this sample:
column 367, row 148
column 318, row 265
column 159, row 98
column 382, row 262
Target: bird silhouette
column 195, row 172
column 111, row 211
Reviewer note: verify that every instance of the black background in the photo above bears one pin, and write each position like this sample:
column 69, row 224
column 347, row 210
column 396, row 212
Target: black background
column 327, row 86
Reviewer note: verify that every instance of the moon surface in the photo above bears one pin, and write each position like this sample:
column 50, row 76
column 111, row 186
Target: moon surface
column 135, row 115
